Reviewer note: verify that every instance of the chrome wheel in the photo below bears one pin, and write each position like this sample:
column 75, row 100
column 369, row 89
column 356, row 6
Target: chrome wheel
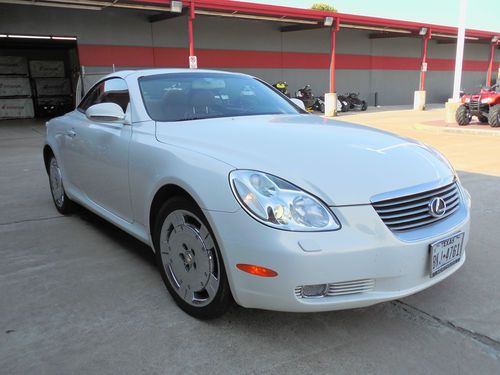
column 189, row 258
column 56, row 185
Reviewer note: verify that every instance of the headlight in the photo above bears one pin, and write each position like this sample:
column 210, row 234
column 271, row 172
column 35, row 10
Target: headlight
column 279, row 204
column 467, row 100
column 486, row 100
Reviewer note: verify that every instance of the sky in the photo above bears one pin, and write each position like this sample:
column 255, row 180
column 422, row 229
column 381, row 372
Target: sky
column 441, row 12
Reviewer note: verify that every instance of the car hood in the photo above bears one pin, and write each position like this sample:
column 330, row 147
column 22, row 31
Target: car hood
column 341, row 163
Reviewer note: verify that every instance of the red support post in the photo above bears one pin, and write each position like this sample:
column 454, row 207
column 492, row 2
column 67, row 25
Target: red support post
column 490, row 64
column 423, row 67
column 190, row 28
column 334, row 29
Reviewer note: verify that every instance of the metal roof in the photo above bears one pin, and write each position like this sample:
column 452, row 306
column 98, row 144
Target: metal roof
column 283, row 13
column 300, row 18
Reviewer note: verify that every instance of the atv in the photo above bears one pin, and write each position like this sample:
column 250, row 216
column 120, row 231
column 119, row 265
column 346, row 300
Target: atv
column 319, row 105
column 485, row 106
column 354, row 102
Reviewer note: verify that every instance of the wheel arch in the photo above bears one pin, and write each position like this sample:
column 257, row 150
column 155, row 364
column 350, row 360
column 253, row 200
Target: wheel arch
column 165, row 192
column 47, row 153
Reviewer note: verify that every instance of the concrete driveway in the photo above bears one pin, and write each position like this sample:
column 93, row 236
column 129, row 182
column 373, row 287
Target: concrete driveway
column 78, row 296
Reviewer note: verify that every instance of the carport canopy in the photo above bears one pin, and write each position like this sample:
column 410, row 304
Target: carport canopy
column 292, row 19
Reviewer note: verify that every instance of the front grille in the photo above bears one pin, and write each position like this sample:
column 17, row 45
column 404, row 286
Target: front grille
column 350, row 287
column 412, row 211
column 342, row 288
column 475, row 104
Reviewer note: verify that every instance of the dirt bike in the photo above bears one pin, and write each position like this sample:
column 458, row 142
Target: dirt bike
column 305, row 94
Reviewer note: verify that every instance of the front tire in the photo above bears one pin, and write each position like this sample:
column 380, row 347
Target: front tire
column 189, row 259
column 494, row 116
column 463, row 115
column 63, row 204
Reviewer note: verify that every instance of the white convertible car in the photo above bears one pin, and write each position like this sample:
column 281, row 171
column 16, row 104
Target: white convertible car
column 243, row 195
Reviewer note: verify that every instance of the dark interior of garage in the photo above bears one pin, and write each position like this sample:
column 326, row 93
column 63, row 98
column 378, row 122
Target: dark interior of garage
column 37, row 76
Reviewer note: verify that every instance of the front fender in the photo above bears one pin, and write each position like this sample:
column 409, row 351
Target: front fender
column 204, row 178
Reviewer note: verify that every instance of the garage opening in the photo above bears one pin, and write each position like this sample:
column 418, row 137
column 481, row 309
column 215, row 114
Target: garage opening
column 38, row 75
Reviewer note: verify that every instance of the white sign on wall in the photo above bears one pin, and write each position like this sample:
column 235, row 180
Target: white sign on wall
column 193, row 62
column 16, row 108
column 424, row 67
column 15, row 86
column 52, row 86
column 13, row 65
column 47, row 68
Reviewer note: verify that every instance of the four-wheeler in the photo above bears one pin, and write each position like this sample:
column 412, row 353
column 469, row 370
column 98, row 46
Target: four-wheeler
column 312, row 103
column 485, row 106
column 319, row 105
column 354, row 102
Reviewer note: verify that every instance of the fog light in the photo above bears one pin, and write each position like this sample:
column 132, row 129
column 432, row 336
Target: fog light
column 318, row 290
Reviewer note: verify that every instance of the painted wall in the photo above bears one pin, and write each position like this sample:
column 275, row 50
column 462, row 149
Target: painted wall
column 388, row 67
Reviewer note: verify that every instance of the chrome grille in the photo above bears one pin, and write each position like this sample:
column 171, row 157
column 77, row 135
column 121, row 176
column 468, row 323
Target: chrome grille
column 342, row 288
column 350, row 287
column 412, row 211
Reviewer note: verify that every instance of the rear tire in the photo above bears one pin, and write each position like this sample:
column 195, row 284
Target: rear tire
column 483, row 119
column 494, row 116
column 463, row 115
column 63, row 204
column 189, row 259
column 364, row 106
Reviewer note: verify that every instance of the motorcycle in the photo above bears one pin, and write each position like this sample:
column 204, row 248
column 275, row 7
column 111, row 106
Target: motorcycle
column 305, row 94
column 313, row 103
column 282, row 86
column 354, row 102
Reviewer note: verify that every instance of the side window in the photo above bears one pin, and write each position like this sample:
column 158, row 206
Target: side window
column 113, row 90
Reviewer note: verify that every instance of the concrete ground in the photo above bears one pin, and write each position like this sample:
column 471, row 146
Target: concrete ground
column 78, row 296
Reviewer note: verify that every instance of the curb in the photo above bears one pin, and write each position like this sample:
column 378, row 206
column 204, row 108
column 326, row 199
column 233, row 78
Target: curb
column 483, row 132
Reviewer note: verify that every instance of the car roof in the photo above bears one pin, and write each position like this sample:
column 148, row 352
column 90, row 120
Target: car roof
column 151, row 72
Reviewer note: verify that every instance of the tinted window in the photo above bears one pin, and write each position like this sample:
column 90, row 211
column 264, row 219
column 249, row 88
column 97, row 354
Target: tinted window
column 112, row 90
column 191, row 96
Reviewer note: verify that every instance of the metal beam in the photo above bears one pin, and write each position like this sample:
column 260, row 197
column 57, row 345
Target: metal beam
column 166, row 16
column 423, row 65
column 384, row 35
column 454, row 41
column 286, row 29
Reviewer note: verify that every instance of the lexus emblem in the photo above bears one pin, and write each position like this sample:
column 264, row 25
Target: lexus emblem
column 437, row 207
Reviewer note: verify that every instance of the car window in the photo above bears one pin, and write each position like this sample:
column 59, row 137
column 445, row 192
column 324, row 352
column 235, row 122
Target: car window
column 192, row 96
column 113, row 90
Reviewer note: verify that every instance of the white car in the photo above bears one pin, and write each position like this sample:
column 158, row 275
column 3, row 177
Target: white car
column 243, row 195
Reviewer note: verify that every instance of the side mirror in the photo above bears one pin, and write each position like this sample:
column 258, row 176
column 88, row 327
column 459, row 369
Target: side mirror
column 299, row 103
column 105, row 112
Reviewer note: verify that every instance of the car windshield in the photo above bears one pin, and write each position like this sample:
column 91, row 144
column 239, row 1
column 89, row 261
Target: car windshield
column 193, row 96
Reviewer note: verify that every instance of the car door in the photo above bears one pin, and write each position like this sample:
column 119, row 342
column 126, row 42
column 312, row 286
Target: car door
column 69, row 154
column 104, row 151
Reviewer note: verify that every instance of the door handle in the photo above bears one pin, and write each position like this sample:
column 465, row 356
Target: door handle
column 71, row 133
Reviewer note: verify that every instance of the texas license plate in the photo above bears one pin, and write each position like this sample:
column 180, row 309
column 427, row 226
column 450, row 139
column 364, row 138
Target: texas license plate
column 445, row 253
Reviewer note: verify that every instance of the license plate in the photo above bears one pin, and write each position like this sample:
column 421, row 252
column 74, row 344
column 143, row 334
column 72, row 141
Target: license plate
column 445, row 253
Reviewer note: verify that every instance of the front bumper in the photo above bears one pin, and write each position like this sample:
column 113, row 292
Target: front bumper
column 363, row 249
